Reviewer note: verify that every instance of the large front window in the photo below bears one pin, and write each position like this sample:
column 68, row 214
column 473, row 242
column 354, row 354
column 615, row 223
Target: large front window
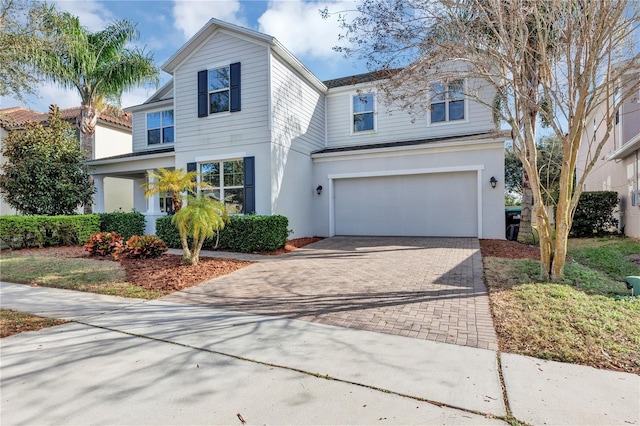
column 363, row 113
column 447, row 101
column 219, row 90
column 226, row 179
column 160, row 127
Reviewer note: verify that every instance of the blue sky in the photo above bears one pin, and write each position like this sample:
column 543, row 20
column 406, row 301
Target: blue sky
column 166, row 25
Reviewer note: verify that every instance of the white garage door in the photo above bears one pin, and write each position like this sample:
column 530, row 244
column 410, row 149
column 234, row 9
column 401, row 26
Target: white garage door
column 438, row 204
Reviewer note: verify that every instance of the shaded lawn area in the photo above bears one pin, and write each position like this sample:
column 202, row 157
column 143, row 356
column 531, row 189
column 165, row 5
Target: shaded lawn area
column 12, row 322
column 580, row 320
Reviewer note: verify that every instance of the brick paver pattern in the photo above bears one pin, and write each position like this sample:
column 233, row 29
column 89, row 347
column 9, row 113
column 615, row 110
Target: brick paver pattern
column 420, row 287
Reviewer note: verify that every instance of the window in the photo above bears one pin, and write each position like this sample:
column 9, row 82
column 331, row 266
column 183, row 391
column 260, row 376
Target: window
column 447, row 102
column 227, row 181
column 160, row 127
column 218, row 90
column 363, row 111
column 166, row 202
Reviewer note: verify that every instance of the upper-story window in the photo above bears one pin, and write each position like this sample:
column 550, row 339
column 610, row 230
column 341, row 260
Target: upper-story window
column 226, row 179
column 447, row 101
column 363, row 113
column 219, row 90
column 160, row 127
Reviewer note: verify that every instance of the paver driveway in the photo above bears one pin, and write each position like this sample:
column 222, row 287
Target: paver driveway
column 427, row 288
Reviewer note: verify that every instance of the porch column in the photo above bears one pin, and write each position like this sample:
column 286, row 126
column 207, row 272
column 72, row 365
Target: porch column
column 153, row 202
column 139, row 202
column 98, row 197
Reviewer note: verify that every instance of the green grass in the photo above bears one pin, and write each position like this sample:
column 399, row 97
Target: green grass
column 578, row 320
column 610, row 256
column 96, row 276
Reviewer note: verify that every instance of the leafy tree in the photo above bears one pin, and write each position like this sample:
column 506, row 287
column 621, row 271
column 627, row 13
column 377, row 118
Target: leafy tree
column 200, row 219
column 44, row 173
column 22, row 31
column 552, row 62
column 173, row 181
column 99, row 65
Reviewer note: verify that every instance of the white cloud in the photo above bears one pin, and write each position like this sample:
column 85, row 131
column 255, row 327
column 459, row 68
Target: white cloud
column 93, row 15
column 136, row 96
column 299, row 26
column 191, row 15
column 51, row 94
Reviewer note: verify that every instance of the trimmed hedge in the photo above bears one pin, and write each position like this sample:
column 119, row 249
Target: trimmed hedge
column 125, row 224
column 594, row 214
column 43, row 231
column 243, row 234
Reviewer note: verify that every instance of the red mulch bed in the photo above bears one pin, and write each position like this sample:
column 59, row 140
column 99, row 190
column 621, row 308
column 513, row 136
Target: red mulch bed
column 508, row 249
column 166, row 272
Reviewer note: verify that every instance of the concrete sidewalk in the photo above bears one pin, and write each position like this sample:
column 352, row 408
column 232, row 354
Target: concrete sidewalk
column 130, row 362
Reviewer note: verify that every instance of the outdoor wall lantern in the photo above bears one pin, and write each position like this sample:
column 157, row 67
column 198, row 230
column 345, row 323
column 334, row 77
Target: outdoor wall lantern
column 319, row 189
column 493, row 181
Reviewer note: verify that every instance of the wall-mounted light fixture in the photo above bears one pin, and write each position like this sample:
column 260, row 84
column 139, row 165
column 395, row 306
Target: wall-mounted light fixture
column 319, row 189
column 493, row 181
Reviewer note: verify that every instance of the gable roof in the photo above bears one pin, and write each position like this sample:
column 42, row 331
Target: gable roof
column 215, row 25
column 17, row 117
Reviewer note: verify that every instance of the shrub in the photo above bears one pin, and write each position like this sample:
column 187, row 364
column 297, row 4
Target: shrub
column 104, row 244
column 594, row 214
column 244, row 234
column 125, row 224
column 43, row 231
column 142, row 247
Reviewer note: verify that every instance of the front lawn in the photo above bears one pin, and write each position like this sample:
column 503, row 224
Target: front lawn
column 580, row 320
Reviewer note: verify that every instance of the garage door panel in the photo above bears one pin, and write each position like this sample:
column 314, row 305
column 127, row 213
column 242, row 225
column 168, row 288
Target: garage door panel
column 442, row 204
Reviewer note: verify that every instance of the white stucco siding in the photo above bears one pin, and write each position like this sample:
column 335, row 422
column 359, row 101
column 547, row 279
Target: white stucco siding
column 297, row 110
column 443, row 171
column 397, row 125
column 111, row 141
column 293, row 189
column 246, row 127
column 118, row 194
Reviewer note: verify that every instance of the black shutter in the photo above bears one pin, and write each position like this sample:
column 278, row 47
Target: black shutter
column 234, row 87
column 192, row 167
column 249, row 185
column 203, row 102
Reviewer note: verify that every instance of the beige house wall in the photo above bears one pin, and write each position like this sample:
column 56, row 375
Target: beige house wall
column 110, row 141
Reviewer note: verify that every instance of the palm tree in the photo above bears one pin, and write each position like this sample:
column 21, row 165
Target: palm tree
column 174, row 182
column 200, row 219
column 99, row 65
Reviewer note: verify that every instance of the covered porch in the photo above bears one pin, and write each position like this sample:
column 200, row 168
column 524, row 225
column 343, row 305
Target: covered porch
column 135, row 167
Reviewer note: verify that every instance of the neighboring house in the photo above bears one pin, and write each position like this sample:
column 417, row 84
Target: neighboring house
column 618, row 168
column 271, row 138
column 112, row 137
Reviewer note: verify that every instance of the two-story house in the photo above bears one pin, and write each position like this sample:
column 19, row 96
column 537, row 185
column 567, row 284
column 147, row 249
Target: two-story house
column 618, row 166
column 112, row 137
column 271, row 138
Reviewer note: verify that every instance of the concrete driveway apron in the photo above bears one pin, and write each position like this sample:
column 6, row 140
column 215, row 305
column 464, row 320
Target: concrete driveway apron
column 422, row 287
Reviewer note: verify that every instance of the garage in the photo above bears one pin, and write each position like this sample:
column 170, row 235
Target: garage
column 433, row 204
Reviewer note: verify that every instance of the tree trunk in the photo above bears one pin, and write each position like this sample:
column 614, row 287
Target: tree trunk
column 525, row 231
column 87, row 127
column 186, row 253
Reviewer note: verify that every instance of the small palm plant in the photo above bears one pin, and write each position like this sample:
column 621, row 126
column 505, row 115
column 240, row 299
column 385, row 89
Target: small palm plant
column 173, row 181
column 202, row 218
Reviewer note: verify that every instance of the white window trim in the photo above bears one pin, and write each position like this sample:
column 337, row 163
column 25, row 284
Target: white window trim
column 146, row 127
column 219, row 159
column 446, row 102
column 374, row 112
column 228, row 89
